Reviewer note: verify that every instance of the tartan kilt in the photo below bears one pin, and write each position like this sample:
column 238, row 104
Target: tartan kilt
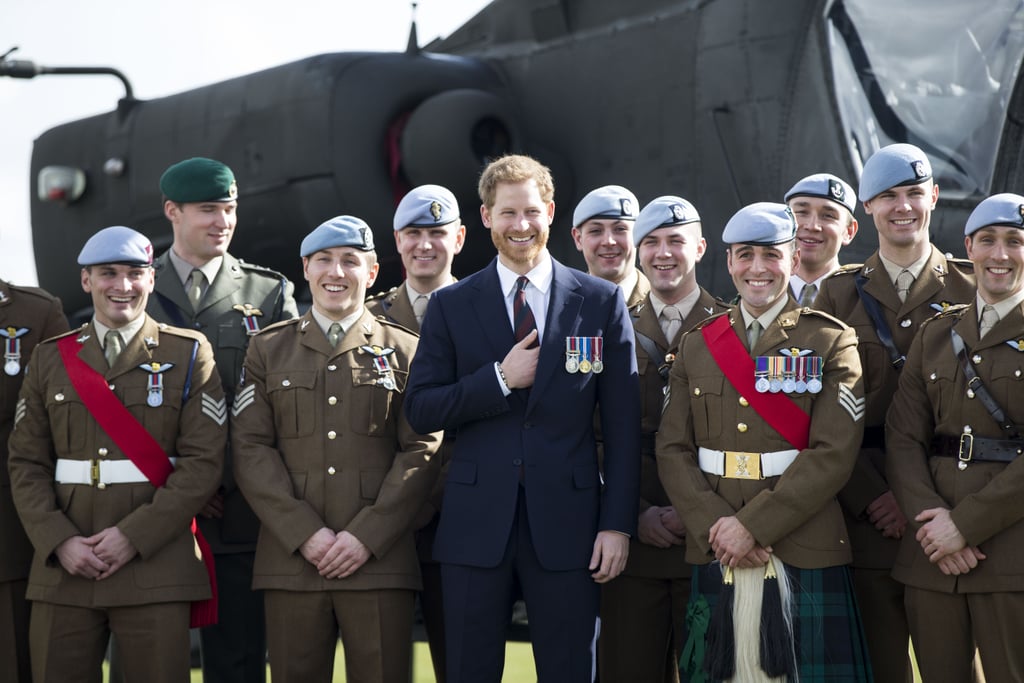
column 827, row 628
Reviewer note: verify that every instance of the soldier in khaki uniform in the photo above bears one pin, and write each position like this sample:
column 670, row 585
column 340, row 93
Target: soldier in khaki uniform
column 428, row 234
column 642, row 611
column 28, row 315
column 752, row 452
column 327, row 460
column 603, row 232
column 823, row 206
column 898, row 192
column 199, row 285
column 955, row 464
column 114, row 550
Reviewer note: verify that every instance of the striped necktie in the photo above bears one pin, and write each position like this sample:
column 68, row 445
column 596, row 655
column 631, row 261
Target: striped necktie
column 522, row 314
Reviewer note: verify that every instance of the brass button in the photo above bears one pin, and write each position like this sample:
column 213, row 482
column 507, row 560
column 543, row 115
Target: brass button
column 967, row 429
column 905, row 322
column 332, row 367
column 741, row 427
column 101, row 486
column 102, row 452
column 976, row 359
column 330, row 470
column 696, row 391
column 58, row 397
column 744, row 402
column 111, row 386
column 933, row 377
column 332, row 434
column 331, row 400
column 286, row 383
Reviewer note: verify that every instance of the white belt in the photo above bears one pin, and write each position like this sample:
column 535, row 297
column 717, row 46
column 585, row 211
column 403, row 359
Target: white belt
column 743, row 465
column 99, row 473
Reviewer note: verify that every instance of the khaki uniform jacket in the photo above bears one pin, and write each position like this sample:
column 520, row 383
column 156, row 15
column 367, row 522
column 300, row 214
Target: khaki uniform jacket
column 237, row 284
column 647, row 560
column 796, row 513
column 320, row 442
column 985, row 499
column 41, row 314
column 52, row 422
column 943, row 281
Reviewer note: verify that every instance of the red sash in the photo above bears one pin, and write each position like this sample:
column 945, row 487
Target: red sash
column 778, row 410
column 140, row 447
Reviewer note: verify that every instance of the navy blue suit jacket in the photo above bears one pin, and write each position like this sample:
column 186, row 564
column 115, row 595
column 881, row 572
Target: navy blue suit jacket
column 549, row 428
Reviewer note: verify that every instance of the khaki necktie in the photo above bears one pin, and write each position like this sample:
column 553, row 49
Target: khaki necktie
column 989, row 318
column 112, row 346
column 754, row 333
column 904, row 281
column 194, row 287
column 671, row 321
column 419, row 307
column 334, row 334
column 807, row 294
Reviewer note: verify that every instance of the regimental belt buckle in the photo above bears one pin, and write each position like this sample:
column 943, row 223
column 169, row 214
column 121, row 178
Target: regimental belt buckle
column 966, row 450
column 741, row 465
column 94, row 473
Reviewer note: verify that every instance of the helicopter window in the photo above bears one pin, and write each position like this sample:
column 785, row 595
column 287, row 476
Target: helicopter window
column 938, row 75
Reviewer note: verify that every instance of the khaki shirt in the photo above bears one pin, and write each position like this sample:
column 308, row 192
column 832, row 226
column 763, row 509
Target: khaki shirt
column 795, row 513
column 52, row 422
column 321, row 440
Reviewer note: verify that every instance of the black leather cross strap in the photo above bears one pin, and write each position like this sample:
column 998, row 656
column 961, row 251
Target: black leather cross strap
column 874, row 311
column 651, row 349
column 975, row 384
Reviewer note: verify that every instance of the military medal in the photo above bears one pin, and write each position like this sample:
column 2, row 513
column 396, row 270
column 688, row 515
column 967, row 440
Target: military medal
column 598, row 364
column 801, row 375
column 380, row 362
column 249, row 315
column 794, row 366
column 572, row 355
column 814, row 374
column 12, row 349
column 585, row 365
column 788, row 375
column 774, row 374
column 156, row 382
column 761, row 383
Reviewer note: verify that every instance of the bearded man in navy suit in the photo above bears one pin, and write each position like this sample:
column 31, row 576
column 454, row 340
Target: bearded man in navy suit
column 516, row 359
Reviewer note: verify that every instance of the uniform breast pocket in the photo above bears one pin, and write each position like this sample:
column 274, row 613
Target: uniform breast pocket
column 292, row 398
column 160, row 420
column 70, row 421
column 374, row 398
column 706, row 406
column 872, row 355
column 943, row 393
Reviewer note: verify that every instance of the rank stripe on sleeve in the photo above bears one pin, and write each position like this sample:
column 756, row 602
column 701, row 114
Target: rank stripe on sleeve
column 214, row 409
column 850, row 403
column 244, row 399
column 19, row 411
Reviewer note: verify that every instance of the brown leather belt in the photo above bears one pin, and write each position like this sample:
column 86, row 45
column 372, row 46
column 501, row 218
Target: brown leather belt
column 970, row 448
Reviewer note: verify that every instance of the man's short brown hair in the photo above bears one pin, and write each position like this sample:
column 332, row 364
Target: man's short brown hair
column 515, row 168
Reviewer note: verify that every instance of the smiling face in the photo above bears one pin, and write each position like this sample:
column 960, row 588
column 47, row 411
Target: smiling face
column 119, row 292
column 997, row 252
column 903, row 214
column 202, row 230
column 338, row 279
column 669, row 258
column 761, row 273
column 428, row 252
column 822, row 228
column 520, row 222
column 607, row 246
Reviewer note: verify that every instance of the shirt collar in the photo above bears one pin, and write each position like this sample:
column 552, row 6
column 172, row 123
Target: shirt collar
column 894, row 270
column 183, row 268
column 127, row 331
column 346, row 323
column 685, row 305
column 1003, row 307
column 768, row 317
column 540, row 277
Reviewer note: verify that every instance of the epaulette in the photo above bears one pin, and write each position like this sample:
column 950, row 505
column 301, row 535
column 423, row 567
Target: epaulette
column 382, row 295
column 848, row 269
column 391, row 323
column 963, row 264
column 194, row 335
column 278, row 325
column 36, row 292
column 709, row 319
column 261, row 270
column 54, row 338
column 805, row 310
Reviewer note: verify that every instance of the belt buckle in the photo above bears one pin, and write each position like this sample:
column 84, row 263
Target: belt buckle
column 94, row 472
column 966, row 444
column 742, row 465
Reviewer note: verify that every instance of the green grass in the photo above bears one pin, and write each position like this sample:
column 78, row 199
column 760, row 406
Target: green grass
column 518, row 665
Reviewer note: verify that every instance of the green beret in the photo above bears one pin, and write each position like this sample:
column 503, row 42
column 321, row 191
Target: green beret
column 199, row 180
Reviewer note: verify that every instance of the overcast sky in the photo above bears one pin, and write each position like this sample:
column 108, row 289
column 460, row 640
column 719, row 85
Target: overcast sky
column 165, row 48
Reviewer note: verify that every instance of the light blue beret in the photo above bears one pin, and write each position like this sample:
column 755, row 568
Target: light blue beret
column 825, row 186
column 340, row 231
column 663, row 212
column 999, row 209
column 117, row 244
column 893, row 166
column 610, row 201
column 426, row 206
column 762, row 224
